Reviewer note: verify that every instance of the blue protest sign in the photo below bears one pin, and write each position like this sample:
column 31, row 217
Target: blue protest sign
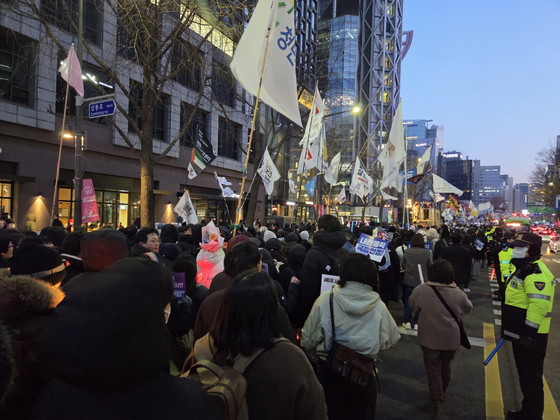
column 373, row 247
column 179, row 286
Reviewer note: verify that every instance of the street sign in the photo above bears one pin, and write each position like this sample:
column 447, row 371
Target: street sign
column 557, row 202
column 102, row 109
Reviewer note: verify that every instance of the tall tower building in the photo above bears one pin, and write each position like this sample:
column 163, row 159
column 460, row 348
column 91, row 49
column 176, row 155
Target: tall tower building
column 379, row 71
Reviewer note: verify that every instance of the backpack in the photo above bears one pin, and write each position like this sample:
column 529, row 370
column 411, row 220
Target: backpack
column 224, row 383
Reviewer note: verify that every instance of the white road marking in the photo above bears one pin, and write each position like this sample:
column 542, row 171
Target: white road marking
column 475, row 341
column 498, row 312
column 497, row 321
column 496, row 303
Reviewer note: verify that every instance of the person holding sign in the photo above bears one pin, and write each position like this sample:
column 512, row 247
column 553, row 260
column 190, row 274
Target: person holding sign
column 362, row 323
column 415, row 262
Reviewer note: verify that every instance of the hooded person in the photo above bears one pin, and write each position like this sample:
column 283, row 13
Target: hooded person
column 56, row 234
column 169, row 251
column 71, row 251
column 27, row 303
column 362, row 323
column 210, row 259
column 99, row 249
column 109, row 350
column 169, row 234
column 31, row 223
column 322, row 259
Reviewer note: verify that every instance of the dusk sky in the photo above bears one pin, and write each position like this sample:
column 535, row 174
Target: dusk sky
column 488, row 71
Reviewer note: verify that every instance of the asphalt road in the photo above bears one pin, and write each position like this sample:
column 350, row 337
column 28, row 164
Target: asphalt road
column 476, row 391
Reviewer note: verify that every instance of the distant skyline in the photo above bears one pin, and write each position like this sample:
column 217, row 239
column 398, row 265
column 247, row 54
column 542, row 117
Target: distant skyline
column 488, row 72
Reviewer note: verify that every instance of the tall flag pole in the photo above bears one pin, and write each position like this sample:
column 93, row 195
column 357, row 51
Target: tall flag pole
column 71, row 72
column 275, row 84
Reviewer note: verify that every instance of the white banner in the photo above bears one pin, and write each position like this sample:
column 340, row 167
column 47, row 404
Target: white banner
column 312, row 143
column 440, row 185
column 279, row 86
column 341, row 196
column 484, row 206
column 424, row 161
column 361, row 184
column 331, row 176
column 394, row 153
column 268, row 173
column 186, row 210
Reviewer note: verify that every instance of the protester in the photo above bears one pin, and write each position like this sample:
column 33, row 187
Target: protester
column 70, row 251
column 362, row 323
column 438, row 331
column 147, row 244
column 109, row 352
column 7, row 362
column 415, row 262
column 6, row 251
column 281, row 382
column 31, row 223
column 322, row 259
column 26, row 307
column 461, row 259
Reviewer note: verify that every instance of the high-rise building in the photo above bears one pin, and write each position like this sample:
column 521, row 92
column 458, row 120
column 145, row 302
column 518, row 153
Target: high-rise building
column 487, row 180
column 506, row 185
column 523, row 196
column 419, row 137
column 457, row 171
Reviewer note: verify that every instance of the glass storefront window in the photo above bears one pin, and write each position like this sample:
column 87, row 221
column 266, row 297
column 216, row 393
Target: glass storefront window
column 6, row 198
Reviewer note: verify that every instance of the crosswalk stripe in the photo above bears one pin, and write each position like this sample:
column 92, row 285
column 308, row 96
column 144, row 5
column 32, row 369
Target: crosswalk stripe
column 496, row 303
column 497, row 321
column 475, row 341
column 498, row 312
column 493, row 385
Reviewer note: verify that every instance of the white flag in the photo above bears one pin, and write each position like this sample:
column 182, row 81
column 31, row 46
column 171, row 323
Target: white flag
column 387, row 196
column 394, row 153
column 268, row 173
column 223, row 183
column 341, row 196
column 362, row 183
column 331, row 176
column 312, row 141
column 185, row 209
column 71, row 71
column 485, row 206
column 292, row 187
column 279, row 85
column 440, row 185
column 424, row 161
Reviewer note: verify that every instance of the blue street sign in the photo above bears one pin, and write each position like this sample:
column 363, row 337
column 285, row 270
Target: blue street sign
column 557, row 202
column 102, row 109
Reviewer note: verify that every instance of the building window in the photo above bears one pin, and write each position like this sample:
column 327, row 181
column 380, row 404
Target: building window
column 64, row 14
column 6, row 189
column 228, row 139
column 16, row 78
column 187, row 62
column 223, row 84
column 159, row 123
column 197, row 126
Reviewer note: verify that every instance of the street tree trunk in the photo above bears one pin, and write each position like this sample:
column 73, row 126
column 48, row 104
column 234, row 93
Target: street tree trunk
column 147, row 217
column 253, row 202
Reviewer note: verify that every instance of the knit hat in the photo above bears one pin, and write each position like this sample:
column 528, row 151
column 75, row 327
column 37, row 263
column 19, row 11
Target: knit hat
column 39, row 261
column 169, row 251
column 55, row 233
column 304, row 235
column 268, row 235
column 235, row 240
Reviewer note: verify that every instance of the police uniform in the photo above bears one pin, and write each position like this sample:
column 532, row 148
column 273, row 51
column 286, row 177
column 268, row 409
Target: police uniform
column 526, row 315
column 505, row 268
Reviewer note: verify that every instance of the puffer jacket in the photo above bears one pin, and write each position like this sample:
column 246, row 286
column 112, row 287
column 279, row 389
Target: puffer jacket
column 26, row 307
column 31, row 224
column 323, row 258
column 361, row 319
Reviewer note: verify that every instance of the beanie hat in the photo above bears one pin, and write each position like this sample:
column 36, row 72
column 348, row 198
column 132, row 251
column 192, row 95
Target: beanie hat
column 55, row 233
column 304, row 235
column 268, row 235
column 169, row 251
column 39, row 261
column 235, row 240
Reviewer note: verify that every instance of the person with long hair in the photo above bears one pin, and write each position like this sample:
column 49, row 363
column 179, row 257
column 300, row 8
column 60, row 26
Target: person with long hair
column 281, row 384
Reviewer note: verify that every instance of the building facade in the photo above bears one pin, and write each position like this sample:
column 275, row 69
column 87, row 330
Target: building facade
column 507, row 193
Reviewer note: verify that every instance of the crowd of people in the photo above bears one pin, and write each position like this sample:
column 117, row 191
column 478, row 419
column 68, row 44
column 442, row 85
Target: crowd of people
column 94, row 325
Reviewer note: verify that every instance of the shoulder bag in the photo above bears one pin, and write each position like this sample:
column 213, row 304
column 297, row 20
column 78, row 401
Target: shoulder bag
column 346, row 363
column 464, row 338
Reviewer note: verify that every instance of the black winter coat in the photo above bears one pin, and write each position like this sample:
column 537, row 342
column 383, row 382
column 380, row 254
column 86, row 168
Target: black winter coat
column 461, row 260
column 323, row 258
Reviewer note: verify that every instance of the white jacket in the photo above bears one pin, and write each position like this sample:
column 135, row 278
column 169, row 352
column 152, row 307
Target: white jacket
column 362, row 323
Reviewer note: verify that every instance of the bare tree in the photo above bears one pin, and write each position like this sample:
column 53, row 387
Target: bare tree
column 157, row 45
column 546, row 175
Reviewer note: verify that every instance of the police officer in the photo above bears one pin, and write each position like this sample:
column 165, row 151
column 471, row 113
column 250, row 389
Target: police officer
column 502, row 262
column 527, row 309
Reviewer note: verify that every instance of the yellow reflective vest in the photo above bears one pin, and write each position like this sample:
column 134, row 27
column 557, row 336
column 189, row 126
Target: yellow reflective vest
column 528, row 302
column 506, row 267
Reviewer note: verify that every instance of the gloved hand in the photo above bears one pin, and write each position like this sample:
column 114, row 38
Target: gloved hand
column 531, row 332
column 526, row 341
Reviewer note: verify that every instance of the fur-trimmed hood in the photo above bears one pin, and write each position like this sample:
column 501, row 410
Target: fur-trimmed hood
column 22, row 295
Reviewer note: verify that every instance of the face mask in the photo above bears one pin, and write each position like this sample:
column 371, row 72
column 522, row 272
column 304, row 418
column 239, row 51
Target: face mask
column 519, row 252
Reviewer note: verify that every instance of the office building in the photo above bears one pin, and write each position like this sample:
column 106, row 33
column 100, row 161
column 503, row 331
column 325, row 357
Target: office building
column 487, row 179
column 506, row 184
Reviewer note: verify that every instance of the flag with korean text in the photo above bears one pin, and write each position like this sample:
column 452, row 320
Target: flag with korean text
column 268, row 173
column 278, row 85
column 203, row 153
column 71, row 71
column 394, row 153
column 89, row 202
column 186, row 210
column 224, row 185
column 362, row 183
